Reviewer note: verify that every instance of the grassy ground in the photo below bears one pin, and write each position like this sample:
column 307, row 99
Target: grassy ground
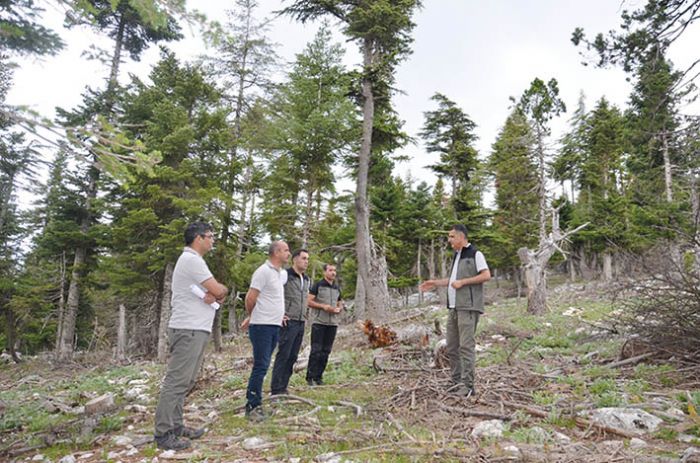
column 554, row 364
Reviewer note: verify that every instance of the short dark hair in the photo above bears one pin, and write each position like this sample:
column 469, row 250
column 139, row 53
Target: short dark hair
column 325, row 266
column 460, row 228
column 196, row 229
column 298, row 252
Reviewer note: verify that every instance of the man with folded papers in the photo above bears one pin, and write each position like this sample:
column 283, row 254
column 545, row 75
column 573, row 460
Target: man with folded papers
column 195, row 298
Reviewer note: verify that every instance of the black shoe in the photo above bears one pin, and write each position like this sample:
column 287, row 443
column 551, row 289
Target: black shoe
column 190, row 433
column 282, row 392
column 171, row 442
column 311, row 382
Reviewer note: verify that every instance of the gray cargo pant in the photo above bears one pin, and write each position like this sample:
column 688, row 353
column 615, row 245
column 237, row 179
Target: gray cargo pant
column 461, row 326
column 186, row 355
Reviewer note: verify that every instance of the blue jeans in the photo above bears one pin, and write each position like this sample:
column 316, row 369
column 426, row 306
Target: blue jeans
column 264, row 340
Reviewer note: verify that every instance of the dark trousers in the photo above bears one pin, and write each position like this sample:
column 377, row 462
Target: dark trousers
column 287, row 353
column 322, row 337
column 264, row 340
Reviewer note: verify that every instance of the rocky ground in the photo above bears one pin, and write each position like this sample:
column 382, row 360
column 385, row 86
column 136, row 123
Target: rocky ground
column 556, row 387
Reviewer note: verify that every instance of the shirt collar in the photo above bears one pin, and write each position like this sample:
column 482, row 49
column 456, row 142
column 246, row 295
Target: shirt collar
column 190, row 250
column 269, row 264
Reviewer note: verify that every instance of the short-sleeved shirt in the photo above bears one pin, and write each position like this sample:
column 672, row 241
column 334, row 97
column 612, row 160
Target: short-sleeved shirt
column 480, row 262
column 269, row 308
column 189, row 312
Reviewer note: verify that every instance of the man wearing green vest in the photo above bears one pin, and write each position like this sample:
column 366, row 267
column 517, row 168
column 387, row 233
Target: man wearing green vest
column 465, row 303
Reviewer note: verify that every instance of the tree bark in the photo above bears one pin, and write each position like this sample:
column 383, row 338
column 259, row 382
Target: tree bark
column 667, row 168
column 518, row 281
column 120, row 353
column 64, row 348
column 308, row 217
column 372, row 294
column 419, row 265
column 165, row 313
column 607, row 266
column 536, row 281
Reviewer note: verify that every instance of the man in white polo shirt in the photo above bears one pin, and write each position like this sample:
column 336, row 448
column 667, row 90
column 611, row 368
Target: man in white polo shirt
column 188, row 332
column 264, row 303
column 465, row 303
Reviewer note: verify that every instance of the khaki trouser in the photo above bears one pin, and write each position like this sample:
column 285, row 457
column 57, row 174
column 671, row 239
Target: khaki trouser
column 186, row 355
column 461, row 326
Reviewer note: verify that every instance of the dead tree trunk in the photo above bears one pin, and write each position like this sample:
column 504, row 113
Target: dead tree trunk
column 120, row 354
column 607, row 266
column 535, row 264
column 165, row 313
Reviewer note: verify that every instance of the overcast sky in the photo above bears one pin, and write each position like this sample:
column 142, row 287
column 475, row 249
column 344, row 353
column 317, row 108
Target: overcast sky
column 477, row 53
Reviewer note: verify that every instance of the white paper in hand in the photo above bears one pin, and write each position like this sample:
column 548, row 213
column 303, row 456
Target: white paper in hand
column 197, row 291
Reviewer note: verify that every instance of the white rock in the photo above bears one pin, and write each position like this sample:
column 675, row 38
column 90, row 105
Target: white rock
column 612, row 445
column 100, row 404
column 137, row 382
column 38, row 457
column 628, row 419
column 331, row 408
column 167, row 454
column 113, row 455
column 489, row 428
column 328, row 458
column 295, row 460
column 135, row 392
column 547, row 324
column 482, row 347
column 676, row 413
column 130, row 427
column 212, row 415
column 512, row 450
column 580, row 329
column 121, row 441
column 691, row 455
column 561, row 438
column 540, row 434
column 636, row 443
column 687, row 438
column 253, row 443
column 498, row 337
column 131, row 452
column 67, row 459
column 85, row 456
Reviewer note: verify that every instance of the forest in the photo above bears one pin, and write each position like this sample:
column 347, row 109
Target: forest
column 613, row 205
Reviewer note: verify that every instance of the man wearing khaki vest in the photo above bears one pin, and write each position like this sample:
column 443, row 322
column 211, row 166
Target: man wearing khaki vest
column 326, row 303
column 465, row 303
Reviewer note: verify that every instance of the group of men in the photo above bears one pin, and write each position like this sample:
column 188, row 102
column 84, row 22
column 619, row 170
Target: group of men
column 277, row 303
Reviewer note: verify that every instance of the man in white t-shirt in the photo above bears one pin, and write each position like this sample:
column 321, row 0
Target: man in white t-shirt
column 465, row 303
column 189, row 327
column 264, row 303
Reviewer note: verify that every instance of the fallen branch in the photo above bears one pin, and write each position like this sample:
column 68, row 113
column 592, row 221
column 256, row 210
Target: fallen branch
column 296, row 418
column 279, row 397
column 399, row 426
column 380, row 369
column 630, row 361
column 468, row 412
column 358, row 409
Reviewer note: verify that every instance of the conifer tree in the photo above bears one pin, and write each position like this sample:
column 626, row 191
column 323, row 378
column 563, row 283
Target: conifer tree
column 381, row 28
